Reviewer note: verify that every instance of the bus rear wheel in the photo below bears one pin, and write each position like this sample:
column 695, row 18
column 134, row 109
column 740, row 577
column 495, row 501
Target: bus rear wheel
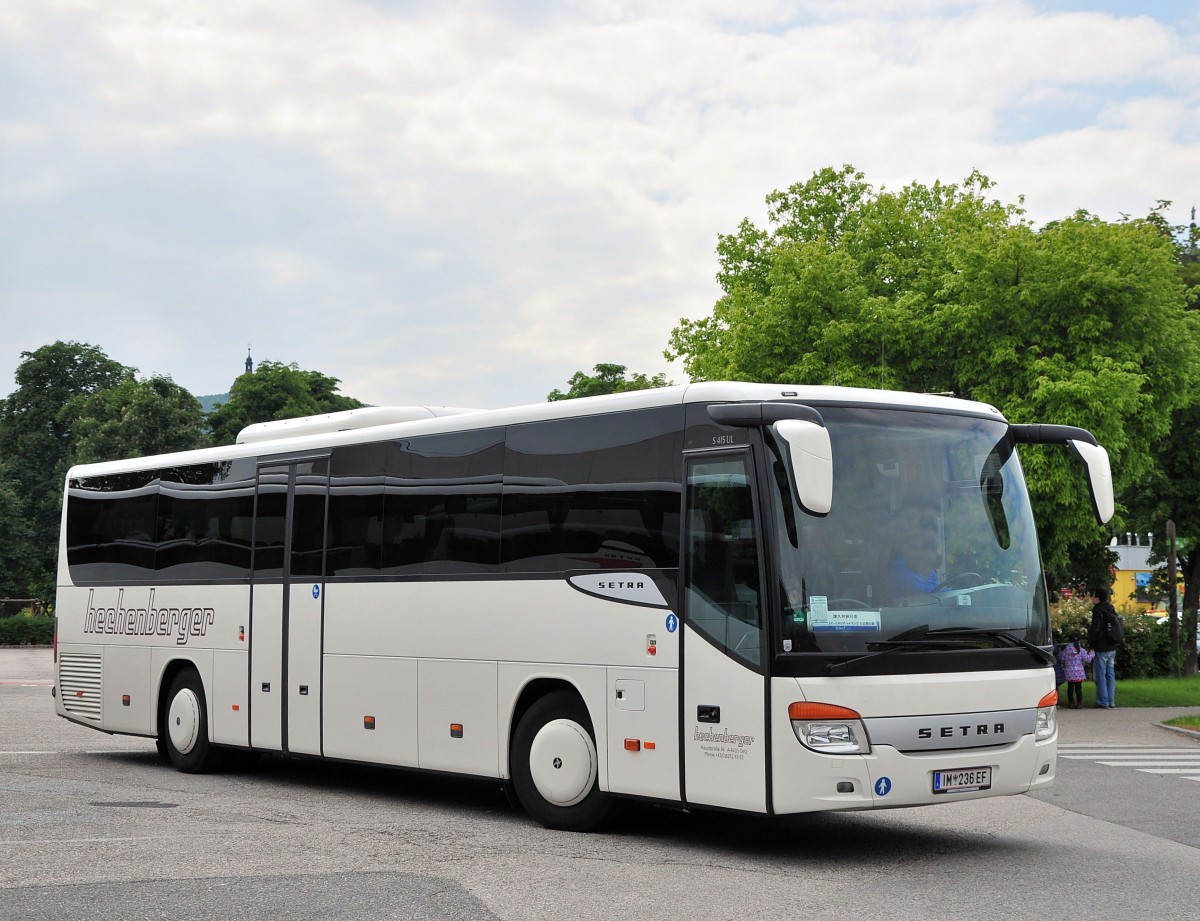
column 555, row 766
column 183, row 732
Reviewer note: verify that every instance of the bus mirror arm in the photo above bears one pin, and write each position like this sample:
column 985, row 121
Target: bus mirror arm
column 1084, row 446
column 810, row 464
column 801, row 428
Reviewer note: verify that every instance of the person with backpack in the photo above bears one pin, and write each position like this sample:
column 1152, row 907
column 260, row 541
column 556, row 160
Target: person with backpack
column 1106, row 633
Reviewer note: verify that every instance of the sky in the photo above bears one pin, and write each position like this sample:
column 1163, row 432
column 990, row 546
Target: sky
column 463, row 204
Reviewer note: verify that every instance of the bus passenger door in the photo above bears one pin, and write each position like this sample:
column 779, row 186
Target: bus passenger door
column 724, row 686
column 287, row 607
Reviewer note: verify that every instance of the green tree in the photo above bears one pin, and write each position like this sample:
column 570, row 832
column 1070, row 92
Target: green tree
column 275, row 391
column 1173, row 492
column 16, row 541
column 36, row 443
column 943, row 288
column 608, row 378
column 134, row 419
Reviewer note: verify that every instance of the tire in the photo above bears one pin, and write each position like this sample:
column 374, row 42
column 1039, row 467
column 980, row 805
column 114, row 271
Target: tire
column 554, row 765
column 184, row 727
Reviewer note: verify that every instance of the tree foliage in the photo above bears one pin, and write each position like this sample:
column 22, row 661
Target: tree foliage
column 275, row 391
column 1172, row 493
column 609, row 378
column 73, row 404
column 943, row 288
column 17, row 555
column 37, row 443
column 134, row 419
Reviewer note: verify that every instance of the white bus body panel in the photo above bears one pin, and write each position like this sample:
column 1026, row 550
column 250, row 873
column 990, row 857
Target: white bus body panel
column 229, row 709
column 462, row 694
column 304, row 668
column 135, row 634
column 429, row 654
column 516, row 620
column 725, row 762
column 370, row 709
column 127, row 674
column 266, row 668
column 806, row 781
column 642, row 707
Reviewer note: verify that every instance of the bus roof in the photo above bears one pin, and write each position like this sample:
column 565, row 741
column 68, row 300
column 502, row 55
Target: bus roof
column 328, row 432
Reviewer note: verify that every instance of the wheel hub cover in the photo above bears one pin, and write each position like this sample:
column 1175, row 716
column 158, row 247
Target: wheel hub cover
column 183, row 720
column 562, row 761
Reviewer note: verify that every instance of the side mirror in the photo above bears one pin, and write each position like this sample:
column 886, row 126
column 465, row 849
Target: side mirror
column 811, row 457
column 1099, row 475
column 1087, row 449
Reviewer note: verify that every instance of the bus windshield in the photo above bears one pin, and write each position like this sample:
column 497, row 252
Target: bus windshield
column 930, row 535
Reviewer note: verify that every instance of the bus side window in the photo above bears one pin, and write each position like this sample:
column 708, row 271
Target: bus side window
column 722, row 558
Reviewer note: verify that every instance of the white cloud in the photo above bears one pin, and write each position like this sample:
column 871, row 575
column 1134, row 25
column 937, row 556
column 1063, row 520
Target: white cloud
column 466, row 203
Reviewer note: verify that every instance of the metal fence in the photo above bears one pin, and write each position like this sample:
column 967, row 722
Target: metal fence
column 11, row 607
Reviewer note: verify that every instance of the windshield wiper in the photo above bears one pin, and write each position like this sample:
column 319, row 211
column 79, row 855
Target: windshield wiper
column 1003, row 635
column 940, row 638
column 891, row 646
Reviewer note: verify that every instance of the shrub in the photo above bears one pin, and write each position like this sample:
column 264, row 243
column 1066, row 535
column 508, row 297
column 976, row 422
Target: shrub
column 24, row 630
column 1146, row 651
column 1070, row 618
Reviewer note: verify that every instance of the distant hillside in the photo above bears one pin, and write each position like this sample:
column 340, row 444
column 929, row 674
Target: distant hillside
column 207, row 403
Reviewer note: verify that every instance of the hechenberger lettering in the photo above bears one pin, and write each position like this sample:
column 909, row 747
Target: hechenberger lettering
column 709, row 735
column 146, row 620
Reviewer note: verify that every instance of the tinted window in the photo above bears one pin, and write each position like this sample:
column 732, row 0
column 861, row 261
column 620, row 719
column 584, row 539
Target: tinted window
column 205, row 520
column 270, row 518
column 308, row 520
column 441, row 507
column 599, row 492
column 356, row 511
column 111, row 523
column 179, row 524
column 722, row 557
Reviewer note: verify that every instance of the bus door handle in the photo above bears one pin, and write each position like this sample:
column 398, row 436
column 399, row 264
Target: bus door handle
column 708, row 713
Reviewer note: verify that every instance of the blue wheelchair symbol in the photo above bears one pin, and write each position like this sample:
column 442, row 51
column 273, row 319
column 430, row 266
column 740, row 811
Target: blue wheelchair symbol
column 316, row 591
column 883, row 786
column 672, row 623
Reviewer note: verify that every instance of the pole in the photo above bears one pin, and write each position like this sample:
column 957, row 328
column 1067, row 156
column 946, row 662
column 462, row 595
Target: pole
column 1171, row 607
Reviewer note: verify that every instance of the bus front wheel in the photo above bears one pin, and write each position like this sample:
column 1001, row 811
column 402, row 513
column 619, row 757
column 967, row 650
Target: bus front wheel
column 554, row 765
column 184, row 729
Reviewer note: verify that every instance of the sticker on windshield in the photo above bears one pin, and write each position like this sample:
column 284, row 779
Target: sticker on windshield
column 823, row 618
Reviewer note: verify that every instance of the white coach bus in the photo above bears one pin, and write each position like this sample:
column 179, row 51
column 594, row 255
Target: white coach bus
column 738, row 596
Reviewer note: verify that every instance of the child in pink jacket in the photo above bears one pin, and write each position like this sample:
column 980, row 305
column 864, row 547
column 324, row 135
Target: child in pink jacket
column 1074, row 657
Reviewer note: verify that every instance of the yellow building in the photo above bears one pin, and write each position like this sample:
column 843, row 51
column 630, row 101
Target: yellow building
column 1131, row 583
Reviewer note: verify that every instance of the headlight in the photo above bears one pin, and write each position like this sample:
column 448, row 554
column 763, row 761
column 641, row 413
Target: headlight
column 1047, row 717
column 829, row 729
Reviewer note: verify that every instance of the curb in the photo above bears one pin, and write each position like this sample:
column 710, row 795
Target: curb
column 1180, row 730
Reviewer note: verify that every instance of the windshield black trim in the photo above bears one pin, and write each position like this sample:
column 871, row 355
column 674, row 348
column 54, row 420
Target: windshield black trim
column 913, row 662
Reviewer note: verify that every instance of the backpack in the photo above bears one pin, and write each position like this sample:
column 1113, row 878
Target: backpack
column 1114, row 627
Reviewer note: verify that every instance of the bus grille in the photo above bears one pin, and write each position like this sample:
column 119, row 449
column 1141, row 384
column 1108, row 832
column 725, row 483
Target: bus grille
column 79, row 684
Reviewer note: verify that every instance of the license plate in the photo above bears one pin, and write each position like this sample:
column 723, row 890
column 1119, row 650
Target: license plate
column 961, row 779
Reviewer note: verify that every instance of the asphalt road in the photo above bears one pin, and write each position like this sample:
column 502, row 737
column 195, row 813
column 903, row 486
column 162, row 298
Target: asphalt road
column 92, row 826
